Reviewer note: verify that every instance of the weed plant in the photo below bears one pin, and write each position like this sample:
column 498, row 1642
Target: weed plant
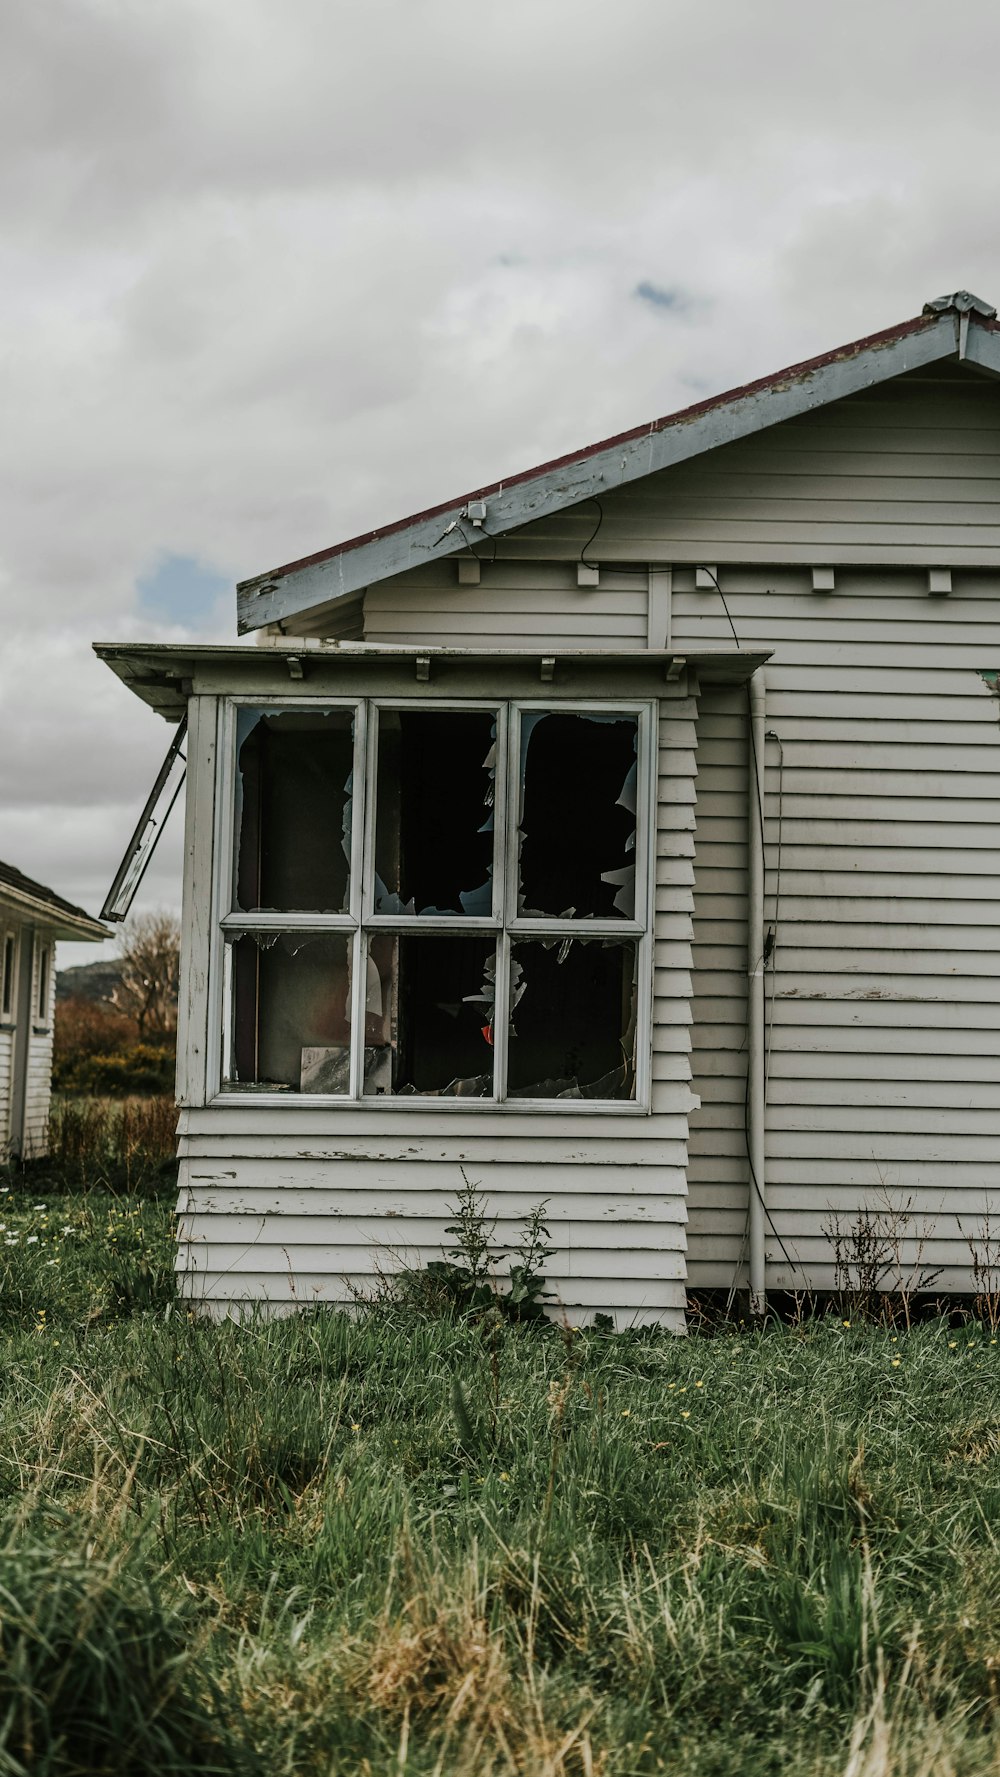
column 99, row 1144
column 394, row 1543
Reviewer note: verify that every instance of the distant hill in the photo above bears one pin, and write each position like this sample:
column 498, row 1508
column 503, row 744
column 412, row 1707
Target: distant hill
column 89, row 981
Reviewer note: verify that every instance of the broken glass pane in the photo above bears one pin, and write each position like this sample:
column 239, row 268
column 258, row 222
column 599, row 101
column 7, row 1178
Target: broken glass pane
column 293, row 810
column 577, row 814
column 434, row 812
column 572, row 1033
column 429, row 1016
column 292, row 1012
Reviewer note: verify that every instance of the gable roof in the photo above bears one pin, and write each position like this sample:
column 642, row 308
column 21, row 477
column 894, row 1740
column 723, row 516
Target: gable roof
column 42, row 904
column 958, row 326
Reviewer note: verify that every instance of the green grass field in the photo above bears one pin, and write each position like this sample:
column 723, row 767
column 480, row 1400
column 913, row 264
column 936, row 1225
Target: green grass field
column 402, row 1545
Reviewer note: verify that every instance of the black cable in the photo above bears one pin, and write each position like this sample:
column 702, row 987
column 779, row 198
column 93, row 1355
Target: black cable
column 593, row 534
column 725, row 607
column 462, row 520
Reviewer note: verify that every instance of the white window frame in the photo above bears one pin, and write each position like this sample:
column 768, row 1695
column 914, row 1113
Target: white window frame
column 8, row 976
column 361, row 920
column 42, row 977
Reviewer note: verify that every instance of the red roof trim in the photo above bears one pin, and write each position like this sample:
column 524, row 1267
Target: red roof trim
column 871, row 342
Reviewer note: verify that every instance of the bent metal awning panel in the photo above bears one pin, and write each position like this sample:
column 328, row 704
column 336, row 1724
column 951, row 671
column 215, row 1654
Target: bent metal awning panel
column 150, row 825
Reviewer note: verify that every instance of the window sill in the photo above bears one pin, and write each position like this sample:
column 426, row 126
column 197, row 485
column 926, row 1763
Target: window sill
column 509, row 1107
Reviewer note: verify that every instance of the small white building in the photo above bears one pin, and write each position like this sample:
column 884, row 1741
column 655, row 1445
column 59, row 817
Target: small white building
column 32, row 919
column 509, row 860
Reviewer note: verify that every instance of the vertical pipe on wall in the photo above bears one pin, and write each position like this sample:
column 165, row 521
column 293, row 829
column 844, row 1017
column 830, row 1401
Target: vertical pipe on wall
column 755, row 993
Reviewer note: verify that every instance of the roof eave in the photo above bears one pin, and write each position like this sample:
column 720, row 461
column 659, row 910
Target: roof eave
column 60, row 922
column 288, row 593
column 163, row 674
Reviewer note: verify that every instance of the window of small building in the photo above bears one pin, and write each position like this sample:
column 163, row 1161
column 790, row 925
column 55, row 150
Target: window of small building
column 439, row 902
column 8, row 965
column 43, row 983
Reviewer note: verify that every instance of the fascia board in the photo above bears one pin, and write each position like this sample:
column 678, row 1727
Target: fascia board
column 166, row 673
column 57, row 922
column 271, row 598
column 982, row 348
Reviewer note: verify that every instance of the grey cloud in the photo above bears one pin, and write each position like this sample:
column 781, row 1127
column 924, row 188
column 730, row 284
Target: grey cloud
column 270, row 276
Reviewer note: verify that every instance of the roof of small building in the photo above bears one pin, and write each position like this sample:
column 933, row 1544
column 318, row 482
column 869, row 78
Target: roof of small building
column 958, row 325
column 43, row 904
column 164, row 674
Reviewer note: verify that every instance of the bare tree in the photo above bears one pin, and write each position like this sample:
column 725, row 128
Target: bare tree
column 149, row 948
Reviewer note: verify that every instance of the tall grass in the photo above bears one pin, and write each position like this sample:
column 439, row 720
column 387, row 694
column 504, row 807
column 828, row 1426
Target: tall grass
column 399, row 1545
column 105, row 1143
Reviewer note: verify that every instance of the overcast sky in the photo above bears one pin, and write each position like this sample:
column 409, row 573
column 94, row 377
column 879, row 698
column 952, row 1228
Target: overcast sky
column 274, row 271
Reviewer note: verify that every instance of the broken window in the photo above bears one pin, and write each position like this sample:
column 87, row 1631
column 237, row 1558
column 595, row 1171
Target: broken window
column 434, row 801
column 292, row 1012
column 150, row 825
column 577, row 814
column 429, row 1015
column 378, row 971
column 294, row 793
column 573, row 1028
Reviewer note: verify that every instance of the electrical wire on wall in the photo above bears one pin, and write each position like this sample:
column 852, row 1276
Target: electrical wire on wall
column 767, row 958
column 463, row 520
column 771, row 940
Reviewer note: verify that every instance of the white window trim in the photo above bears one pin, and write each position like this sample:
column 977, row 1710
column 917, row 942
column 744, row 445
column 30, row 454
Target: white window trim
column 226, row 923
column 41, row 1016
column 9, row 983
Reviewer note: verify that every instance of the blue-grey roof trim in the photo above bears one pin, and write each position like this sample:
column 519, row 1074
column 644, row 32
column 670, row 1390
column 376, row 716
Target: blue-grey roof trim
column 292, row 594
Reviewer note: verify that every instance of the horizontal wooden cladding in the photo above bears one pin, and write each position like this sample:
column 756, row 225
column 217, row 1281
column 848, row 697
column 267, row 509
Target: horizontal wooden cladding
column 291, row 1205
column 650, row 1141
column 850, row 1020
column 637, row 1301
column 511, row 606
column 889, row 479
column 338, row 1250
column 509, row 1186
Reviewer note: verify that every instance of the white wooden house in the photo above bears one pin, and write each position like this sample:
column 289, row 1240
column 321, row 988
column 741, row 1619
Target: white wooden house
column 32, row 918
column 624, row 834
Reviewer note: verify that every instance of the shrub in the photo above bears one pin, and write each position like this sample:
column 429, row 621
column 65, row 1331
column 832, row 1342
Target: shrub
column 145, row 1068
column 89, row 1027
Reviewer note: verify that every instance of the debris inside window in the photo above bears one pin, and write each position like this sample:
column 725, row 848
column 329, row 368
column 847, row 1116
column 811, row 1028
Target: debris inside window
column 429, row 1017
column 434, row 812
column 577, row 816
column 292, row 1012
column 574, row 1034
column 294, row 788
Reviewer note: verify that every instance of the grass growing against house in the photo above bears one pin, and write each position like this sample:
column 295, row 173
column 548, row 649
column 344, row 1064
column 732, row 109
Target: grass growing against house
column 404, row 1545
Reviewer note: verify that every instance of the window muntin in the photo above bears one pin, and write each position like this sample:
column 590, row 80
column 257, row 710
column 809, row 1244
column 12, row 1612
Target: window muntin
column 437, row 927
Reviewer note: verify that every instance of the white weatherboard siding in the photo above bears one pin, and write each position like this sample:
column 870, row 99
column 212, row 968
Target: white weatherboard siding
column 38, row 1082
column 292, row 1204
column 884, row 1069
column 534, row 605
column 908, row 472
column 6, row 1086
